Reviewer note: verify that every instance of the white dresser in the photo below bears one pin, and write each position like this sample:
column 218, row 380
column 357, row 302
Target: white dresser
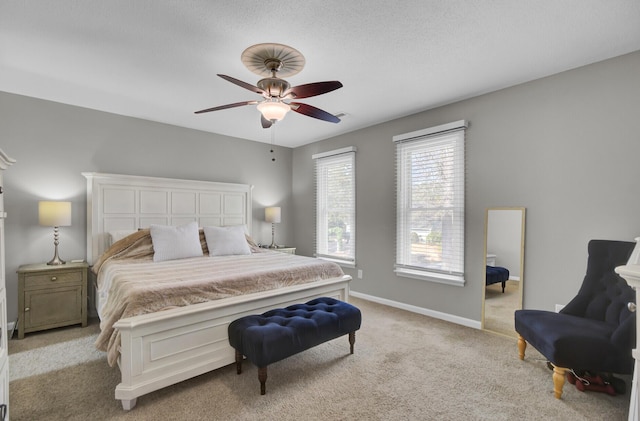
column 631, row 273
column 5, row 162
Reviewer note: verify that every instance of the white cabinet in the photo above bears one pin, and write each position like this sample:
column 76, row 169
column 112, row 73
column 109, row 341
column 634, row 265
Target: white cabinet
column 631, row 273
column 5, row 162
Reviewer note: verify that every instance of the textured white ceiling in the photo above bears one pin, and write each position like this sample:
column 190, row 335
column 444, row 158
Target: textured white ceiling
column 158, row 60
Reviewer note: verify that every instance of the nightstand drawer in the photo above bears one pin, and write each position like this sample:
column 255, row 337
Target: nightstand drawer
column 47, row 279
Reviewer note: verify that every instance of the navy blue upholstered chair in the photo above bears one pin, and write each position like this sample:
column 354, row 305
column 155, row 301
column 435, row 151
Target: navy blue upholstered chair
column 595, row 331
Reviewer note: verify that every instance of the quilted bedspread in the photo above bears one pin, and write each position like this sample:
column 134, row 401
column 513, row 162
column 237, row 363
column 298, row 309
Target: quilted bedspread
column 130, row 283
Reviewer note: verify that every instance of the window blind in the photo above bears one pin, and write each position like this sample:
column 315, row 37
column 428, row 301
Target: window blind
column 430, row 203
column 335, row 206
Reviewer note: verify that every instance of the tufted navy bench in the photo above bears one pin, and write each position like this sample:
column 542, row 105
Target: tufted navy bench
column 277, row 334
column 497, row 274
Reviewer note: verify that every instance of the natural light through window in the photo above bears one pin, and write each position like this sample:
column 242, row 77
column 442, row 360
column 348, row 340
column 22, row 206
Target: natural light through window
column 336, row 206
column 430, row 203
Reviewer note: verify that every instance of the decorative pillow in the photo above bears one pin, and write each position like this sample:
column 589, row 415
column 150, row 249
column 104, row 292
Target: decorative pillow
column 224, row 241
column 171, row 243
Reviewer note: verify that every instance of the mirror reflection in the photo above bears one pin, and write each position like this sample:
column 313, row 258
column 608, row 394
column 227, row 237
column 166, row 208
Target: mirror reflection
column 504, row 263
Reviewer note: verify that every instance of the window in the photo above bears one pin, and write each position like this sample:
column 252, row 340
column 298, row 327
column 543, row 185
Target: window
column 430, row 204
column 336, row 206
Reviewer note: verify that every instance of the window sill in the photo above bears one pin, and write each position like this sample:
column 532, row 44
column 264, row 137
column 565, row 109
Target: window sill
column 439, row 278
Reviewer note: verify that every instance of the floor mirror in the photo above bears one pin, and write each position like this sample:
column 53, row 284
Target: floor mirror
column 504, row 268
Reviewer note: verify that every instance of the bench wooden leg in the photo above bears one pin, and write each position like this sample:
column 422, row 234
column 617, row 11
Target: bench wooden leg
column 262, row 376
column 352, row 340
column 238, row 362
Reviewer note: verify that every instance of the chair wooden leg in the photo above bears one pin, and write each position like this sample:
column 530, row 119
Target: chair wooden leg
column 559, row 376
column 522, row 345
column 352, row 340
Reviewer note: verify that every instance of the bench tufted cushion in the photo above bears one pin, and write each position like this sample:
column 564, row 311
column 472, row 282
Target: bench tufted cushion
column 497, row 274
column 280, row 333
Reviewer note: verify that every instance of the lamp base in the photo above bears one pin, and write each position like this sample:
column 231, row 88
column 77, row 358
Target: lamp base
column 273, row 237
column 56, row 259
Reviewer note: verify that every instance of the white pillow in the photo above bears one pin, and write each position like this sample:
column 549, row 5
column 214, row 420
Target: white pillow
column 171, row 243
column 224, row 241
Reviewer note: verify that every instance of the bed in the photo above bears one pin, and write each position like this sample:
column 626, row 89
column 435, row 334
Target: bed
column 160, row 348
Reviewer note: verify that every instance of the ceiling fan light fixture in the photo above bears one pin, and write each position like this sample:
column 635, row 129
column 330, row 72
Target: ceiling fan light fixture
column 273, row 110
column 277, row 61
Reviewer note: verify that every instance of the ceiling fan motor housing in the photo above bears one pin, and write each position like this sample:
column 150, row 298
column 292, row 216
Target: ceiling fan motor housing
column 274, row 86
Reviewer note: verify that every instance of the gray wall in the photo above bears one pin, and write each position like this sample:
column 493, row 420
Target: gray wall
column 566, row 147
column 54, row 143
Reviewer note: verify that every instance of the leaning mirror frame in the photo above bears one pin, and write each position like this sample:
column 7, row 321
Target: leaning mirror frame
column 511, row 231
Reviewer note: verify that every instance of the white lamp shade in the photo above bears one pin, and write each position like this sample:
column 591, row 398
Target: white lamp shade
column 272, row 214
column 54, row 214
column 273, row 110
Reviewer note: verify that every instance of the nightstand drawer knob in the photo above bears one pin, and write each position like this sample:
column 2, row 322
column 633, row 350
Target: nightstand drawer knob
column 27, row 309
column 53, row 278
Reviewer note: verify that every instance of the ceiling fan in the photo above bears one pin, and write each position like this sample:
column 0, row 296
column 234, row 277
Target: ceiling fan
column 273, row 60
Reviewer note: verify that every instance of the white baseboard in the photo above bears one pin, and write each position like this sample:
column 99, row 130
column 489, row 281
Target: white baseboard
column 420, row 310
column 408, row 307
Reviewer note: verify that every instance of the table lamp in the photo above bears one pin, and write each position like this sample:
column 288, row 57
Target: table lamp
column 272, row 214
column 55, row 214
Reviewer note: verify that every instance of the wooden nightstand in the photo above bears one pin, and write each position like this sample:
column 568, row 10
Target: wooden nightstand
column 51, row 296
column 282, row 249
column 285, row 249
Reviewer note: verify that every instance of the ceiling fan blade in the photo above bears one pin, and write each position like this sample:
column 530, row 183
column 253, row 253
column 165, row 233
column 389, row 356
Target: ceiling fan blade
column 265, row 123
column 314, row 112
column 224, row 107
column 312, row 89
column 244, row 85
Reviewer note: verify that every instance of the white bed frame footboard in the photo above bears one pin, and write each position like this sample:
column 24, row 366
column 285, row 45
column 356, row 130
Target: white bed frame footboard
column 167, row 347
column 164, row 348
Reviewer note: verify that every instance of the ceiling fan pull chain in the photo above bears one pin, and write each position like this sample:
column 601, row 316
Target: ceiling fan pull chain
column 273, row 136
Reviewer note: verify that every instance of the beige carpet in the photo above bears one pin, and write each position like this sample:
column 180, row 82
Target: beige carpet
column 405, row 367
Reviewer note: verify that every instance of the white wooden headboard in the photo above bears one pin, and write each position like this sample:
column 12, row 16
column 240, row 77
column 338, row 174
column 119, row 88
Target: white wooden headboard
column 125, row 202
